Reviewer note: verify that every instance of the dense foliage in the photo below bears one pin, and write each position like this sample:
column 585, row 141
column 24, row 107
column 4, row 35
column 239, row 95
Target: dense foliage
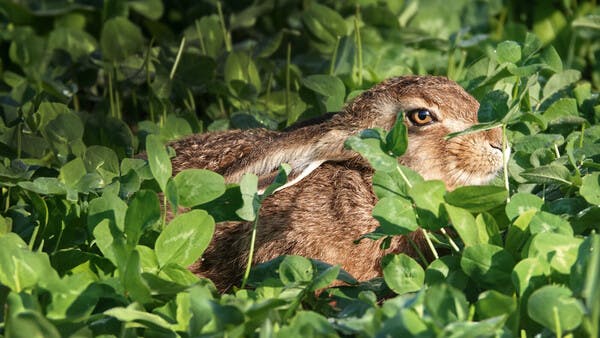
column 85, row 85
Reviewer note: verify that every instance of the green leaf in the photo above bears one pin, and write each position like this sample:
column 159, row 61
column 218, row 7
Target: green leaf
column 487, row 229
column 590, row 188
column 546, row 222
column 239, row 66
column 22, row 269
column 185, row 238
column 78, row 43
column 74, row 297
column 308, row 324
column 428, row 197
column 120, row 38
column 530, row 143
column 133, row 283
column 28, row 324
column 561, row 80
column 477, row 198
column 406, row 323
column 324, row 278
column 587, row 26
column 489, row 265
column 393, row 184
column 181, row 277
column 72, row 172
column 402, row 274
column 370, row 149
column 551, row 59
column 552, row 173
column 152, row 9
column 494, row 106
column 591, row 275
column 532, row 44
column 142, row 213
column 563, row 111
column 159, row 161
column 324, row 24
column 198, row 186
column 129, row 315
column 279, row 181
column 250, row 198
column 200, row 307
column 209, row 28
column 518, row 232
column 111, row 242
column 553, row 306
column 62, row 132
column 492, row 303
column 396, row 140
column 446, row 304
column 102, row 160
column 109, row 207
column 530, row 274
column 508, row 51
column 330, row 89
column 295, row 270
column 558, row 249
column 521, row 203
column 395, row 215
column 45, row 186
column 464, row 223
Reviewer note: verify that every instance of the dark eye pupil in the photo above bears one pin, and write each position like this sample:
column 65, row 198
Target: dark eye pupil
column 423, row 114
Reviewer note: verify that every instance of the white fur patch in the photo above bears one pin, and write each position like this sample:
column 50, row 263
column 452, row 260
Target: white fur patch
column 305, row 171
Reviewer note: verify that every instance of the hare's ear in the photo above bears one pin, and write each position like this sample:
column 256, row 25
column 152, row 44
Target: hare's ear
column 304, row 150
column 298, row 173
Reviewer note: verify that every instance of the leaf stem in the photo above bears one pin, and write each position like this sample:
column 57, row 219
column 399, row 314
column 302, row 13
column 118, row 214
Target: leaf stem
column 471, row 313
column 118, row 104
column 418, row 251
column 164, row 217
column 177, row 58
column 111, row 98
column 557, row 322
column 19, row 139
column 404, row 177
column 7, row 204
column 430, row 244
column 222, row 106
column 334, row 56
column 200, row 37
column 450, row 240
column 359, row 47
column 288, row 61
column 251, row 253
column 226, row 38
column 33, row 238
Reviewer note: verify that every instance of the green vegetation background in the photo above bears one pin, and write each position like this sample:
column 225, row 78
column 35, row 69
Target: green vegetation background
column 85, row 85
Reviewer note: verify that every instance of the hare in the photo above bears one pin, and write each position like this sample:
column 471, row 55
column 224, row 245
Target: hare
column 328, row 200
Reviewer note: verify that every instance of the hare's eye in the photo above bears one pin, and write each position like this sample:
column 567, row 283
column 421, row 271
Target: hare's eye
column 420, row 117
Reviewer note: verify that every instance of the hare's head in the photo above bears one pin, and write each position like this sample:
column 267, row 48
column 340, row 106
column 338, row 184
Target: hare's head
column 433, row 107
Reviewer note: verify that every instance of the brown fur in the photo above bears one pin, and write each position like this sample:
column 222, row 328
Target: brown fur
column 321, row 215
